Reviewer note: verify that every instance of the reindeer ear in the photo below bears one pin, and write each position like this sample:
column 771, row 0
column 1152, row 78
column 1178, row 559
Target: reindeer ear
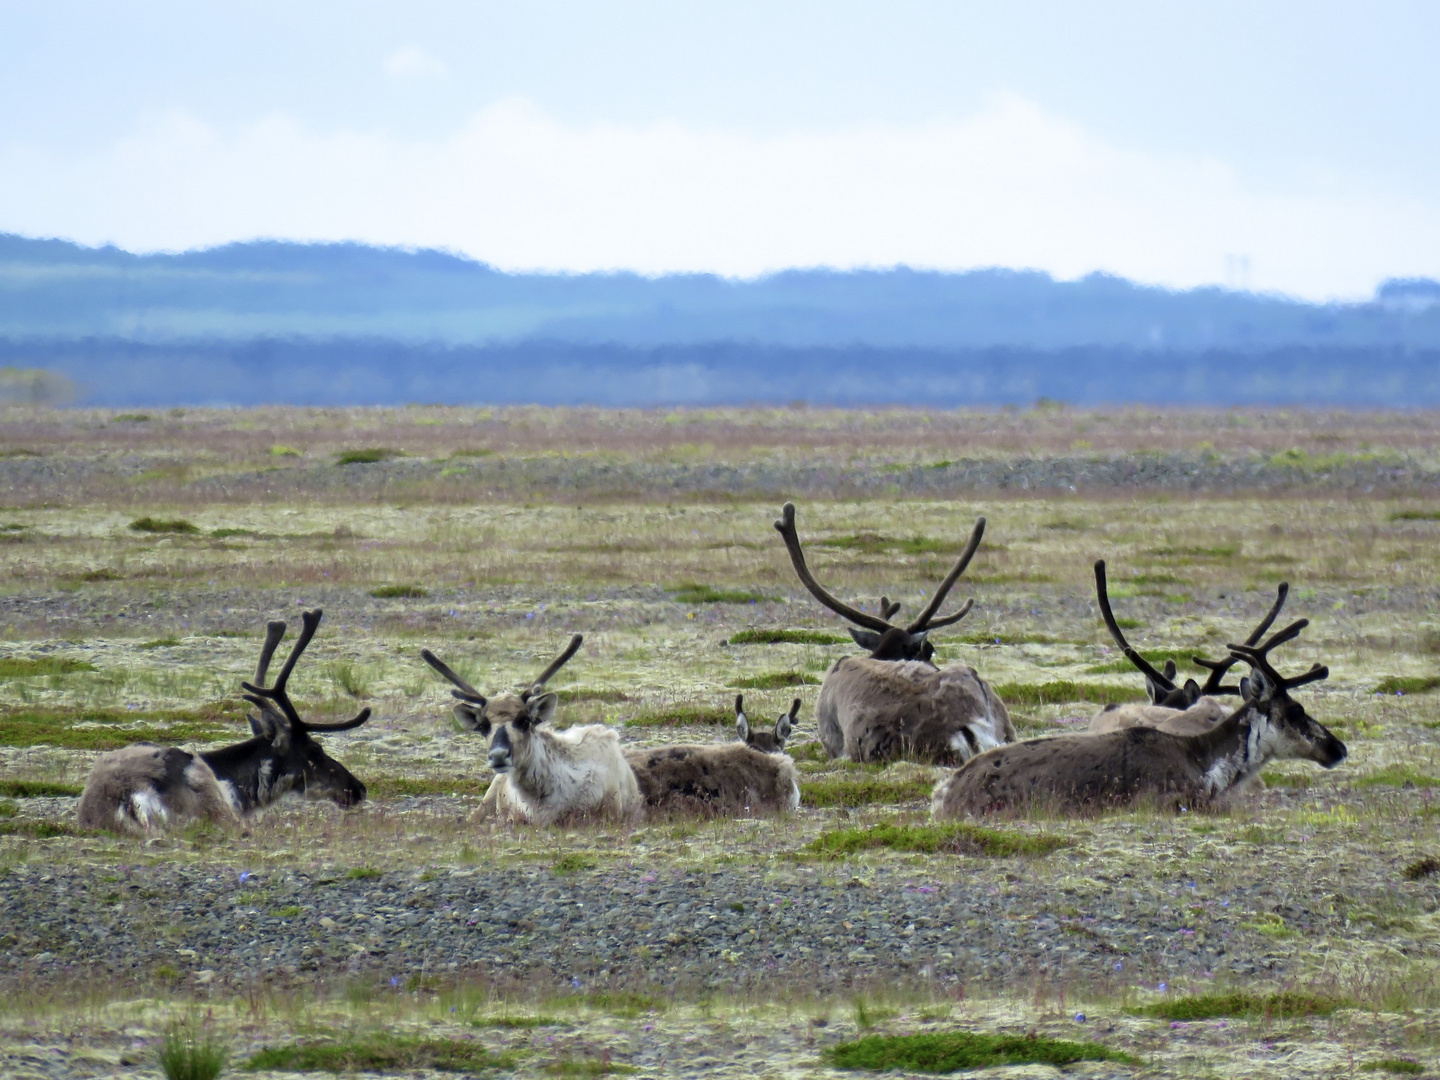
column 868, row 640
column 1260, row 687
column 1245, row 689
column 471, row 718
column 1192, row 691
column 1170, row 670
column 786, row 724
column 262, row 726
column 742, row 727
column 281, row 736
column 542, row 708
column 925, row 650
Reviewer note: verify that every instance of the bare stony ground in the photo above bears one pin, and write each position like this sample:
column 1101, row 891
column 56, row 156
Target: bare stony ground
column 722, row 947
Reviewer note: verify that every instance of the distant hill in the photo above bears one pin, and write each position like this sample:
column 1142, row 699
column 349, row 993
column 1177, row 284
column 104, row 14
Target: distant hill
column 270, row 321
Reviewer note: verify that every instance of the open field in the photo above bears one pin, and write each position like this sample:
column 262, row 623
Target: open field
column 140, row 558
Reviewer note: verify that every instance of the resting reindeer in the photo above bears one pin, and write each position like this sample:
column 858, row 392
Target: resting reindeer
column 1086, row 773
column 544, row 776
column 895, row 703
column 145, row 786
column 730, row 779
column 1180, row 710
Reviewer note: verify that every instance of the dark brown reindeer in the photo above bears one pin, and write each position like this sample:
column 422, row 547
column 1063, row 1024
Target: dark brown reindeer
column 895, row 703
column 1181, row 710
column 145, row 787
column 1086, row 773
column 749, row 778
column 543, row 776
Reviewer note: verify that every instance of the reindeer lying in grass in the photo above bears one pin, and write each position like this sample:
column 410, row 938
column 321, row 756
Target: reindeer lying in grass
column 1181, row 710
column 736, row 779
column 1087, row 773
column 544, row 776
column 145, row 787
column 895, row 704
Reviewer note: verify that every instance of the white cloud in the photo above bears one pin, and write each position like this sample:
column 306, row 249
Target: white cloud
column 413, row 62
column 1008, row 186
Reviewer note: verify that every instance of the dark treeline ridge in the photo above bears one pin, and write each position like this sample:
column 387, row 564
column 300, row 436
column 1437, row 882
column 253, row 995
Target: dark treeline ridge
column 370, row 372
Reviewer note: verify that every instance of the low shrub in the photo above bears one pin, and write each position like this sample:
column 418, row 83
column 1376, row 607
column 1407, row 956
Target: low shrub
column 1243, row 1003
column 787, row 637
column 952, row 1051
column 379, row 1052
column 164, row 525
column 703, row 594
column 777, row 680
column 400, row 592
column 14, row 667
column 1412, row 684
column 368, row 456
column 958, row 838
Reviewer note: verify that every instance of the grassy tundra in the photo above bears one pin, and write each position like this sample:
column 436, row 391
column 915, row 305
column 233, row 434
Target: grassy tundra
column 140, row 554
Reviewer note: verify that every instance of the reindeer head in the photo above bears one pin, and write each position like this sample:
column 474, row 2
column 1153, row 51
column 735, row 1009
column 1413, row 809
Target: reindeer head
column 1284, row 729
column 293, row 760
column 876, row 633
column 1161, row 687
column 507, row 720
column 765, row 741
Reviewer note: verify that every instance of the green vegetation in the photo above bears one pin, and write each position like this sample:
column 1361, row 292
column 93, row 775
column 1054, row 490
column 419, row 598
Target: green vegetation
column 14, row 667
column 786, row 637
column 776, row 680
column 1398, row 1066
column 36, row 830
column 1006, row 639
column 617, row 1003
column 400, row 592
column 1415, row 515
column 281, row 450
column 363, row 873
column 229, row 534
column 37, row 789
column 869, row 543
column 957, row 838
column 680, row 715
column 9, row 808
column 853, row 791
column 516, row 1022
column 161, row 643
column 1400, row 776
column 588, row 1067
column 348, row 678
column 58, row 727
column 289, row 912
column 1243, row 1003
column 1064, row 691
column 592, row 693
column 1416, row 684
column 1157, row 657
column 394, row 787
column 190, row 1054
column 572, row 863
column 703, row 594
column 164, row 525
column 132, row 418
column 368, row 456
column 955, row 1050
column 378, row 1052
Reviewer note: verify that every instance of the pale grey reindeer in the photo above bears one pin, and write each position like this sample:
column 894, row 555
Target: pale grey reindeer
column 145, row 787
column 1086, row 773
column 543, row 776
column 748, row 778
column 896, row 703
column 1181, row 710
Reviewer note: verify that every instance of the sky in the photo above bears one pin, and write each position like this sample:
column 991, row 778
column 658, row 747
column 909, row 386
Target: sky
column 1282, row 147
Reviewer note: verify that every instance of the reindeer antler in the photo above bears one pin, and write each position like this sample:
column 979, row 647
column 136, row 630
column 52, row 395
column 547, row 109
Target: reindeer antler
column 1258, row 656
column 1102, row 595
column 924, row 621
column 1218, row 668
column 278, row 693
column 555, row 665
column 466, row 692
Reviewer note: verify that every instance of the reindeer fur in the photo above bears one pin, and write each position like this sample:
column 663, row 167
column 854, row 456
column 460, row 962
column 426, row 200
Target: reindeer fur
column 1198, row 718
column 881, row 710
column 145, row 787
column 728, row 780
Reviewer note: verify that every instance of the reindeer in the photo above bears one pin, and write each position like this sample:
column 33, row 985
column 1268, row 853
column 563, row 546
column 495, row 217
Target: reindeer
column 542, row 776
column 145, row 787
column 764, row 741
column 1180, row 710
column 1087, row 773
column 895, row 703
column 738, row 779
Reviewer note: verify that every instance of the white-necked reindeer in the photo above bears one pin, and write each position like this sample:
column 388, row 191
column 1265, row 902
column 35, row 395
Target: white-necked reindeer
column 1181, row 710
column 145, row 787
column 895, row 703
column 544, row 776
column 1088, row 773
column 748, row 778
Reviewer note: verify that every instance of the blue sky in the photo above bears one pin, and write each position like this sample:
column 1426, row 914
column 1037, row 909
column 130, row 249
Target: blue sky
column 1281, row 146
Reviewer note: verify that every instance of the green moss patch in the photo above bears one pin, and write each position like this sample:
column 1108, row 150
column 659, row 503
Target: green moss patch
column 787, row 637
column 378, row 1053
column 37, row 789
column 102, row 730
column 703, row 594
column 952, row 1051
column 1414, row 684
column 400, row 592
column 958, row 838
column 588, row 1067
column 1063, row 691
column 1243, row 1003
column 1398, row 1066
column 868, row 543
column 680, row 715
column 1396, row 776
column 394, row 787
column 775, row 680
column 1415, row 515
column 1422, row 868
column 592, row 693
column 14, row 667
column 853, row 791
column 368, row 456
column 164, row 525
column 36, row 830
